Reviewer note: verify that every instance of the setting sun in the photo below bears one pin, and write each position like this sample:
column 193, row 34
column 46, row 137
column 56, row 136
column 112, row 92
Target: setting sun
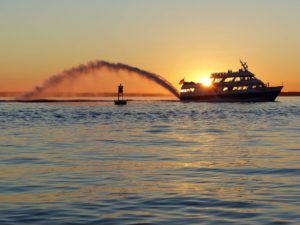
column 206, row 81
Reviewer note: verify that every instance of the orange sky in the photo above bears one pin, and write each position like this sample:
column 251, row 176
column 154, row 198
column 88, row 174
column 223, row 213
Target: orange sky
column 172, row 38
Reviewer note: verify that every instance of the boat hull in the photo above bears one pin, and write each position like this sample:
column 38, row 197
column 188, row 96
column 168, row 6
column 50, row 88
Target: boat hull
column 264, row 95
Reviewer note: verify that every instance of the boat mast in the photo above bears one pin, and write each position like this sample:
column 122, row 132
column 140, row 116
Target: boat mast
column 244, row 65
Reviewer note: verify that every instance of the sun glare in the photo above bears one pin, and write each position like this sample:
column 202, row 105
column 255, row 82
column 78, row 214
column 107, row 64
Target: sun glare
column 206, row 81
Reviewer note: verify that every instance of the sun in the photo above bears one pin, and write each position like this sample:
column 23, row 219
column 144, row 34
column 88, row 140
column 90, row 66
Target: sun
column 206, row 81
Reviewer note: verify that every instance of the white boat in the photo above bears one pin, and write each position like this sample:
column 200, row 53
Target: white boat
column 238, row 86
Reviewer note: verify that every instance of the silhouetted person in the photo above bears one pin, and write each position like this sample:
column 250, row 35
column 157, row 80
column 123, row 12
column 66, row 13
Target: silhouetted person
column 120, row 91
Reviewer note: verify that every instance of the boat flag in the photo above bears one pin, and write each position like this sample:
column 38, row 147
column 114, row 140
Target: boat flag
column 181, row 82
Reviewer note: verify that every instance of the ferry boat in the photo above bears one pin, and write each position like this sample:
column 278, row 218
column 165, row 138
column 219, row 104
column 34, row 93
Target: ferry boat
column 238, row 86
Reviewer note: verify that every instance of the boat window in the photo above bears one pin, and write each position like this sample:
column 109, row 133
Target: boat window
column 237, row 79
column 217, row 80
column 245, row 87
column 240, row 88
column 229, row 79
column 225, row 89
column 234, row 88
column 188, row 90
column 253, row 86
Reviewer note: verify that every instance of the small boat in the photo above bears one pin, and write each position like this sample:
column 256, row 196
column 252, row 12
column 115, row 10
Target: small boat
column 238, row 86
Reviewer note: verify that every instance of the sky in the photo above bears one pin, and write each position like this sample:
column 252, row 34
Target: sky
column 173, row 38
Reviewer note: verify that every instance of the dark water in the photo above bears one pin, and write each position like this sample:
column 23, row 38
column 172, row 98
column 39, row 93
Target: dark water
column 150, row 162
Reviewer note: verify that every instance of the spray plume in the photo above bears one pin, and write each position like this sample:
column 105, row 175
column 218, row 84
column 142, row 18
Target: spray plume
column 75, row 72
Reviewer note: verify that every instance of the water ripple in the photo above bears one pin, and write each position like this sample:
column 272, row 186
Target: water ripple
column 150, row 162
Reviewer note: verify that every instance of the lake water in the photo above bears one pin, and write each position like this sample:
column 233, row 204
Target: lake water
column 150, row 162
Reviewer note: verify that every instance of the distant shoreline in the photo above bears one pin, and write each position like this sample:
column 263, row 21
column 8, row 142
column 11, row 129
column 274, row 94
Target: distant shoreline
column 290, row 93
column 88, row 94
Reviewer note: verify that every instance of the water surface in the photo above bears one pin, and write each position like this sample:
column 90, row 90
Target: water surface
column 150, row 162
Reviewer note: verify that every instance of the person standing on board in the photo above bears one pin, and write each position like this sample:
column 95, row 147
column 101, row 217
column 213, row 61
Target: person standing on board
column 120, row 91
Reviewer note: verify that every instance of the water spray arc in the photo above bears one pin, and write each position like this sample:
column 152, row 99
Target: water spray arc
column 94, row 66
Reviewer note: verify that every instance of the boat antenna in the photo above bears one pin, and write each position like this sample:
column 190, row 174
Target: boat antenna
column 244, row 65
